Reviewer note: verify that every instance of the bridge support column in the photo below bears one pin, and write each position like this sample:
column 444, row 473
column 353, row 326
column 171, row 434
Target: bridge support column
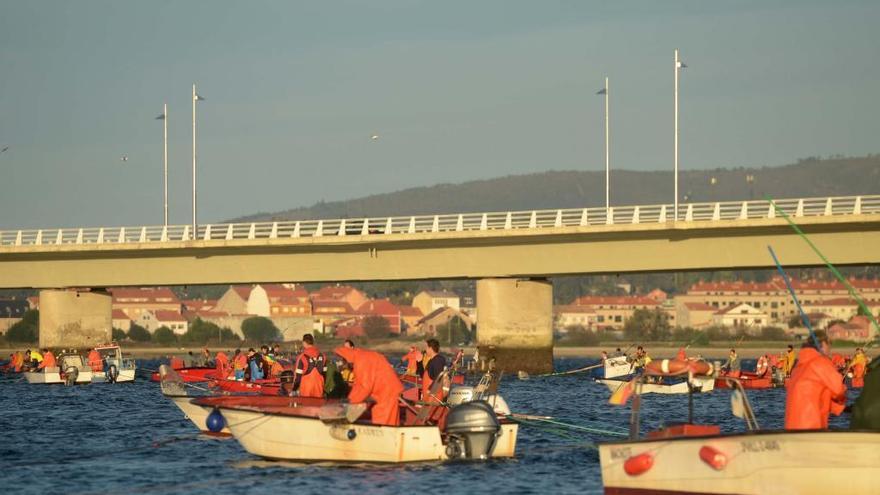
column 73, row 318
column 515, row 323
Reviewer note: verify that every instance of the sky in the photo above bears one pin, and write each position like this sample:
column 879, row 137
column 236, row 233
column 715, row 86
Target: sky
column 455, row 91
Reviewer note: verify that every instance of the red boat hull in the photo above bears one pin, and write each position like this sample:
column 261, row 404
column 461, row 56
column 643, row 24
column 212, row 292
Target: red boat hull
column 192, row 374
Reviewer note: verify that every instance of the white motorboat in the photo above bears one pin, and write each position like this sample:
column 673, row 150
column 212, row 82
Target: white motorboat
column 71, row 370
column 689, row 458
column 758, row 462
column 304, row 429
column 116, row 369
column 698, row 383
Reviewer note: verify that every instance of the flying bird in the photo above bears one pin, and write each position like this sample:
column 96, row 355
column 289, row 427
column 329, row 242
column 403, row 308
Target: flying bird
column 124, row 158
column 4, row 149
column 374, row 137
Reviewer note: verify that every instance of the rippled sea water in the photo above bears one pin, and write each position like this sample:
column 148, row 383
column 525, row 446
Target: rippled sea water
column 127, row 438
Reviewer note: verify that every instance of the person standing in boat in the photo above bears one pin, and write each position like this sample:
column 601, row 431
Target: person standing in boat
column 48, row 360
column 816, row 388
column 375, row 379
column 435, row 363
column 732, row 365
column 35, row 359
column 412, row 359
column 310, row 369
column 255, row 365
column 858, row 365
column 788, row 361
column 96, row 363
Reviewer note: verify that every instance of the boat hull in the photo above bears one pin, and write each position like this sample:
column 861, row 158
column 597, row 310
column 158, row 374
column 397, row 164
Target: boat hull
column 46, row 378
column 198, row 415
column 781, row 462
column 308, row 439
column 192, row 374
column 702, row 384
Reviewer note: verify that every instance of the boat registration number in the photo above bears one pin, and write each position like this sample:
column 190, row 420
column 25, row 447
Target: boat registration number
column 621, row 453
column 760, row 445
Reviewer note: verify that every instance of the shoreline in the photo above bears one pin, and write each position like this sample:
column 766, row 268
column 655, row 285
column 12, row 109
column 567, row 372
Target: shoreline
column 660, row 350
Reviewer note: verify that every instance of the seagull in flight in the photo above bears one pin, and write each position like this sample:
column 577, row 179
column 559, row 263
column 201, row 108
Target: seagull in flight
column 374, row 137
column 4, row 149
column 124, row 158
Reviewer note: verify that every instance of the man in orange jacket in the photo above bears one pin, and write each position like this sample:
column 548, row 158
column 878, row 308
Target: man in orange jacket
column 310, row 368
column 816, row 388
column 48, row 360
column 221, row 364
column 374, row 377
column 95, row 361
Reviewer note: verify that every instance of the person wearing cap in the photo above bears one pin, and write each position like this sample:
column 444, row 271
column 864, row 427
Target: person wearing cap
column 375, row 379
column 816, row 389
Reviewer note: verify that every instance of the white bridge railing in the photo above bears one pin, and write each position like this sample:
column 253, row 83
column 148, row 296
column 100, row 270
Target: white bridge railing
column 367, row 227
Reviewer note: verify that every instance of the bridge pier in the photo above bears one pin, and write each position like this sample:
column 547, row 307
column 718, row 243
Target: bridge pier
column 515, row 323
column 75, row 318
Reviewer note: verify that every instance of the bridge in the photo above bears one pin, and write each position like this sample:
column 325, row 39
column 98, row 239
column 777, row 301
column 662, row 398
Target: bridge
column 509, row 253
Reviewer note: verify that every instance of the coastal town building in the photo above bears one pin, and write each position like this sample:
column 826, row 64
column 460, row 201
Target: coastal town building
column 152, row 320
column 565, row 316
column 272, row 300
column 429, row 324
column 695, row 315
column 410, row 316
column 134, row 302
column 235, row 300
column 740, row 316
column 120, row 320
column 613, row 311
column 430, row 300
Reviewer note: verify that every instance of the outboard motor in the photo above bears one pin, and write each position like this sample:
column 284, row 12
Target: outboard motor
column 112, row 373
column 70, row 375
column 472, row 429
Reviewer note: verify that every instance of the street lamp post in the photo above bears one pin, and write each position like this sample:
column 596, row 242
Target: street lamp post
column 165, row 126
column 677, row 67
column 195, row 224
column 604, row 91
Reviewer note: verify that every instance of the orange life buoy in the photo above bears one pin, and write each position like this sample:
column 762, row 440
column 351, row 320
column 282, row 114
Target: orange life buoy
column 673, row 367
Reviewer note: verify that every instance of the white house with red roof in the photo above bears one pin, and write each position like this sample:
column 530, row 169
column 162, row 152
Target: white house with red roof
column 120, row 320
column 151, row 320
column 279, row 300
column 569, row 315
column 136, row 301
column 235, row 300
column 613, row 311
column 695, row 315
column 741, row 315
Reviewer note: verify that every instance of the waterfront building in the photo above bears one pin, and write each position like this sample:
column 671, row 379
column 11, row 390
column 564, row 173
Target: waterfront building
column 430, row 300
column 234, row 301
column 569, row 315
column 135, row 302
column 740, row 316
column 613, row 311
column 120, row 320
column 429, row 324
column 151, row 320
column 410, row 316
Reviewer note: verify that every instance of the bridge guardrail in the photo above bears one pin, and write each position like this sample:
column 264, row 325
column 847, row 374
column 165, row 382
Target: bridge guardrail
column 454, row 222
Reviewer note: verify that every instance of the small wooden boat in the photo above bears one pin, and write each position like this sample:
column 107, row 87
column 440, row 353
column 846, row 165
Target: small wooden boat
column 751, row 381
column 689, row 458
column 71, row 370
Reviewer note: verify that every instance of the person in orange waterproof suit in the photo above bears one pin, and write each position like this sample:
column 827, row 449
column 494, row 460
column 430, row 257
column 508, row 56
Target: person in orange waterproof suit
column 816, row 388
column 374, row 377
column 858, row 365
column 95, row 361
column 310, row 368
column 682, row 355
column 48, row 360
column 412, row 360
column 221, row 364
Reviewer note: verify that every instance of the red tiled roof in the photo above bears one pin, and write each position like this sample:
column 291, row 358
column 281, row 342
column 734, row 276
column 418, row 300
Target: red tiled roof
column 118, row 314
column 379, row 307
column 410, row 311
column 776, row 284
column 144, row 295
column 203, row 314
column 243, row 291
column 199, row 304
column 332, row 292
column 162, row 315
column 441, row 293
column 615, row 301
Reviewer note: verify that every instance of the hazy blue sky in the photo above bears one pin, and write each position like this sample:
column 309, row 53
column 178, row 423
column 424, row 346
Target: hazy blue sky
column 456, row 91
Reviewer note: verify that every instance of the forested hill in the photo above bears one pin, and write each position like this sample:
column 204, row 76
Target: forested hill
column 809, row 177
